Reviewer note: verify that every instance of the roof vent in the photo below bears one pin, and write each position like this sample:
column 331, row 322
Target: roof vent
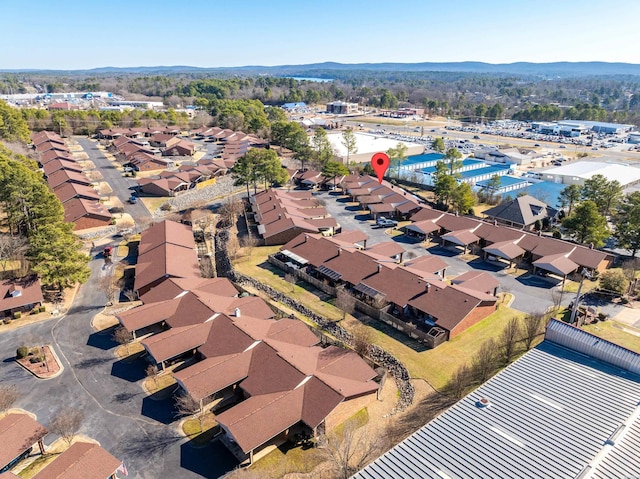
column 483, row 403
column 236, row 312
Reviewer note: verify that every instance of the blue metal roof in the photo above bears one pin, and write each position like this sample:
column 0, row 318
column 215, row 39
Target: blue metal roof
column 412, row 160
column 505, row 180
column 467, row 162
column 552, row 414
column 487, row 170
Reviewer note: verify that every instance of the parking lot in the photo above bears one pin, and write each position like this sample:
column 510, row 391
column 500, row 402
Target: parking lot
column 531, row 293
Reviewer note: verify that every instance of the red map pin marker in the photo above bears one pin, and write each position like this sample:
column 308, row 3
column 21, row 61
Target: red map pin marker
column 380, row 163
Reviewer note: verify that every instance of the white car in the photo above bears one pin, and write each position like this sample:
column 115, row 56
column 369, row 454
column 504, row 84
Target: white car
column 382, row 221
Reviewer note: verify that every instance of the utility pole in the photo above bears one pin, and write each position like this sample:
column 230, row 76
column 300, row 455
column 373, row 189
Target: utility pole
column 584, row 274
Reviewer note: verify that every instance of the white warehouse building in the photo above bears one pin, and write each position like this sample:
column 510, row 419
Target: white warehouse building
column 577, row 173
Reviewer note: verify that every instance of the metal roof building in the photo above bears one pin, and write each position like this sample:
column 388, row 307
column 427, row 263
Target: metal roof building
column 568, row 409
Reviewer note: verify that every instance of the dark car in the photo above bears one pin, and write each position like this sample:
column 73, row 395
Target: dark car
column 476, row 137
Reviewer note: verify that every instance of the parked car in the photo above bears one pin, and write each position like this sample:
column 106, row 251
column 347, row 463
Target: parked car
column 133, row 200
column 382, row 221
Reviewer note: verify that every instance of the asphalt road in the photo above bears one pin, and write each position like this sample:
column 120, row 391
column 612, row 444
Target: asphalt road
column 531, row 293
column 133, row 427
column 120, row 184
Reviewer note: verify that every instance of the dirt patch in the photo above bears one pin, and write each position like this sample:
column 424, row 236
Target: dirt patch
column 41, row 362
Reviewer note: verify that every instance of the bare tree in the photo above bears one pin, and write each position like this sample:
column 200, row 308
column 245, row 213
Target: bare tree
column 362, row 339
column 345, row 302
column 206, row 268
column 185, row 405
column 533, row 325
column 11, row 247
column 292, row 280
column 556, row 297
column 66, row 423
column 509, row 340
column 459, row 382
column 129, row 294
column 233, row 246
column 8, row 396
column 629, row 269
column 230, row 210
column 483, row 362
column 109, row 288
column 349, row 449
column 152, row 372
column 249, row 243
column 122, row 337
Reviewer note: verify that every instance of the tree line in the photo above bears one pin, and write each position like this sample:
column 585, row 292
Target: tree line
column 33, row 219
column 588, row 207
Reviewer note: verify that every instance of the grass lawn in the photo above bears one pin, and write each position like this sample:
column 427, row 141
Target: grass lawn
column 123, row 249
column 287, row 459
column 256, row 266
column 153, row 203
column 36, row 466
column 153, row 385
column 201, row 435
column 617, row 333
column 587, row 285
column 436, row 366
column 478, row 209
column 133, row 348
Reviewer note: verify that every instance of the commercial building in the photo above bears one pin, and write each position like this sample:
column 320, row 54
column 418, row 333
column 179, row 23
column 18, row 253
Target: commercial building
column 341, row 107
column 574, row 128
column 367, row 145
column 576, row 173
column 566, row 409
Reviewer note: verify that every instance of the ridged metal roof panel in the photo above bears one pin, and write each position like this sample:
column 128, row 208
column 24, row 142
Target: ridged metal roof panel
column 551, row 413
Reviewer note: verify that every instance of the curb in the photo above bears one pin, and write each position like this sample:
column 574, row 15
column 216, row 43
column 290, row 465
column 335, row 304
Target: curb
column 55, row 357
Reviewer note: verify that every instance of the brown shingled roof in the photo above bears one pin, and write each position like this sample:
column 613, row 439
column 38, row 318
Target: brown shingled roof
column 448, row 306
column 15, row 293
column 18, row 432
column 67, row 191
column 77, row 208
column 172, row 287
column 81, row 461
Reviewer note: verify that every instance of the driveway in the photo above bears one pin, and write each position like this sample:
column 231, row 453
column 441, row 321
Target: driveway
column 120, row 184
column 531, row 293
column 134, row 428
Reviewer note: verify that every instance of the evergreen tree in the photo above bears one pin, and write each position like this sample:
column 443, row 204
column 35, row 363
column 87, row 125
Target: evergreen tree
column 586, row 224
column 627, row 224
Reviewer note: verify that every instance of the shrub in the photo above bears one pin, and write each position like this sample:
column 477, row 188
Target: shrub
column 556, row 234
column 624, row 301
column 22, row 352
column 165, row 207
column 614, row 280
column 42, row 309
column 36, row 359
column 17, row 315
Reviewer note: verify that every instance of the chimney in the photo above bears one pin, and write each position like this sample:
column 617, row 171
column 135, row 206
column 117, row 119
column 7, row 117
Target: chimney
column 339, row 251
column 379, row 267
column 428, row 286
column 306, row 237
column 236, row 312
column 279, row 216
column 274, row 206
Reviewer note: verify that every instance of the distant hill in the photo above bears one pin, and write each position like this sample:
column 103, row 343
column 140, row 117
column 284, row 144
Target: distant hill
column 557, row 69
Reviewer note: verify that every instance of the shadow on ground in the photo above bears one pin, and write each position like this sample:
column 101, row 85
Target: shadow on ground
column 161, row 410
column 484, row 266
column 130, row 369
column 102, row 339
column 212, row 460
column 440, row 251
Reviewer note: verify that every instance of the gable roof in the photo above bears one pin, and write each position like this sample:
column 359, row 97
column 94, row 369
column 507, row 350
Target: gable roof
column 448, row 305
column 524, row 210
column 81, row 461
column 77, row 208
column 172, row 287
column 18, row 432
column 60, row 164
column 67, row 191
column 15, row 293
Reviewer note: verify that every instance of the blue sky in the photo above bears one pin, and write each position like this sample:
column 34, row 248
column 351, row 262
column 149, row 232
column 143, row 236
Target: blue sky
column 72, row 34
